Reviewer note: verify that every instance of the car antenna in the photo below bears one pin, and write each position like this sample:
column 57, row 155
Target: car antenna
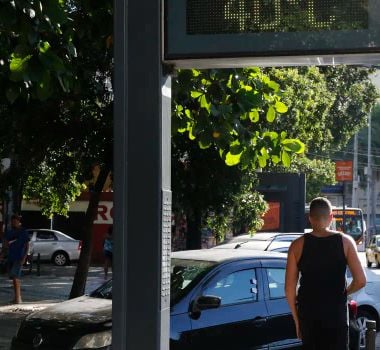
column 240, row 244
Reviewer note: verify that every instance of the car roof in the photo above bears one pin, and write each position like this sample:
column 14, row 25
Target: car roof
column 43, row 229
column 255, row 245
column 224, row 255
column 258, row 245
column 261, row 236
column 273, row 245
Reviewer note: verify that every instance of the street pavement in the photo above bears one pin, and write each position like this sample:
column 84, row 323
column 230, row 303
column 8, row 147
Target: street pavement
column 52, row 286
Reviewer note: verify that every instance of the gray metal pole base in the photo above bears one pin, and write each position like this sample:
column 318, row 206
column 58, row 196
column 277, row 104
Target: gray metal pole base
column 370, row 335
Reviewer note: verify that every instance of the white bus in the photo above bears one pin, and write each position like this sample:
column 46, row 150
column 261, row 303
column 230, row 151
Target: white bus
column 354, row 222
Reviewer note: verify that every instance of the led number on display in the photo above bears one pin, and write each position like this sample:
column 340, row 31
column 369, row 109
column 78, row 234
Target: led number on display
column 253, row 16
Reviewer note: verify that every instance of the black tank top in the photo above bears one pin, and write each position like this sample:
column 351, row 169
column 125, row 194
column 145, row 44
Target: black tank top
column 322, row 291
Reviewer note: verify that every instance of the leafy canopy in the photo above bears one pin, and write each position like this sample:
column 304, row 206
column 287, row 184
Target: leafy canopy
column 56, row 64
column 233, row 110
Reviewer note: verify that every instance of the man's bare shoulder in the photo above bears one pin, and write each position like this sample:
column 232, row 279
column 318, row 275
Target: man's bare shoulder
column 297, row 245
column 348, row 241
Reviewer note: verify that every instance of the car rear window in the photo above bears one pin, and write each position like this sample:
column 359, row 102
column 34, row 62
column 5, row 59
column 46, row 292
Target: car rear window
column 46, row 236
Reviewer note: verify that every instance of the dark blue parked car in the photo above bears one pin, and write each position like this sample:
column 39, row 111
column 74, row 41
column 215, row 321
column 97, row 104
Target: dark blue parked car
column 230, row 300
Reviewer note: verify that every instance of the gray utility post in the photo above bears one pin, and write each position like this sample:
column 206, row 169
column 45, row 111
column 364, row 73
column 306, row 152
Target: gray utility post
column 142, row 201
column 369, row 181
column 355, row 180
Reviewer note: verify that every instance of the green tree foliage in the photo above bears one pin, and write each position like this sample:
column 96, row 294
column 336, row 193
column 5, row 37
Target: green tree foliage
column 306, row 93
column 245, row 215
column 56, row 65
column 354, row 97
column 248, row 210
column 348, row 151
column 327, row 106
column 233, row 110
column 50, row 183
column 56, row 106
column 324, row 107
column 225, row 117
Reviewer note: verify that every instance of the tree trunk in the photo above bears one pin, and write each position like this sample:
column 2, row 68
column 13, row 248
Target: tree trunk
column 81, row 273
column 194, row 237
column 17, row 197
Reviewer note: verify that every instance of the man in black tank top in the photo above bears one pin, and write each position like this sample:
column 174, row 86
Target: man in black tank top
column 318, row 260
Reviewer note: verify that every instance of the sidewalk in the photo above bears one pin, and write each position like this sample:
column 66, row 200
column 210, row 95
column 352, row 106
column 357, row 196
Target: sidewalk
column 52, row 286
column 54, row 283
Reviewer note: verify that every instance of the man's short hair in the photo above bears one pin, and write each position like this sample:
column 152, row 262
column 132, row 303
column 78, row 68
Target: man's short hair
column 320, row 206
column 16, row 217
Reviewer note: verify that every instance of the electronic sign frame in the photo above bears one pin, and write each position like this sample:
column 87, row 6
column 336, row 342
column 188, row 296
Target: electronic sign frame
column 217, row 33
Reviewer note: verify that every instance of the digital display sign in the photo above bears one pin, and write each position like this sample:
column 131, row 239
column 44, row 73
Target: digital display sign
column 227, row 29
column 257, row 16
column 346, row 212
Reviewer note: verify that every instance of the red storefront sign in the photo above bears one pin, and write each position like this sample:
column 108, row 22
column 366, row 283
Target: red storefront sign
column 272, row 217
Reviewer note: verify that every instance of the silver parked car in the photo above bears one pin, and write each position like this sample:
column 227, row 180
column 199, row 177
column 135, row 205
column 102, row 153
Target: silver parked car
column 368, row 303
column 54, row 246
column 372, row 253
column 269, row 241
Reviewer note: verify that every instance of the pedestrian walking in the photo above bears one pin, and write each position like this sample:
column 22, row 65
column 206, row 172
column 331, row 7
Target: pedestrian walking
column 17, row 240
column 107, row 250
column 318, row 261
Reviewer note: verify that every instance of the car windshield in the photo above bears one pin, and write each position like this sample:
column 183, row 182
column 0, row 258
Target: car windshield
column 378, row 242
column 185, row 274
column 104, row 291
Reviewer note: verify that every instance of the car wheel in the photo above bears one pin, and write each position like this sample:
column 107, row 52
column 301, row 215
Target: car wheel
column 361, row 320
column 60, row 259
column 369, row 264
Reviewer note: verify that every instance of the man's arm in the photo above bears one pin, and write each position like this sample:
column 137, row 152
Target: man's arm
column 291, row 280
column 8, row 239
column 25, row 239
column 358, row 276
column 26, row 253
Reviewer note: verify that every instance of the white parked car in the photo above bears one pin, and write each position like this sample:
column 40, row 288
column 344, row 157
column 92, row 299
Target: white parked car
column 54, row 246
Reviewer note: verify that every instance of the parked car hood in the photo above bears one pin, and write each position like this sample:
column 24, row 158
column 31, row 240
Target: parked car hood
column 82, row 310
column 62, row 325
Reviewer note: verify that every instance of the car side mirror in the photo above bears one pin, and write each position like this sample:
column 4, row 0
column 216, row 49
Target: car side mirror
column 205, row 302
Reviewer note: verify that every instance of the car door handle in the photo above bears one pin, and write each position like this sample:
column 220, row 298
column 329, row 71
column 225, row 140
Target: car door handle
column 259, row 321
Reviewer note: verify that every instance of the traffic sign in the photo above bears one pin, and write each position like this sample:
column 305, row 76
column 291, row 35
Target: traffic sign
column 343, row 170
column 338, row 189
